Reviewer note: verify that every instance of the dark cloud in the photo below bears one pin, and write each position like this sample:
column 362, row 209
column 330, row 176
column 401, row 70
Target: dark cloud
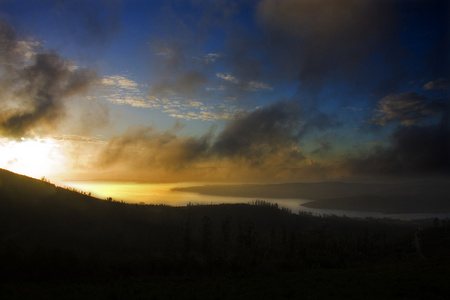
column 261, row 133
column 88, row 22
column 9, row 48
column 365, row 43
column 406, row 108
column 419, row 144
column 413, row 150
column 313, row 41
column 34, row 91
column 180, row 85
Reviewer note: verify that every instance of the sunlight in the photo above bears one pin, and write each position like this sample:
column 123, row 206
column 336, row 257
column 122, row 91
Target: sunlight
column 32, row 157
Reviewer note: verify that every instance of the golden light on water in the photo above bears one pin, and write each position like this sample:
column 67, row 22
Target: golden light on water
column 32, row 157
column 149, row 193
column 159, row 193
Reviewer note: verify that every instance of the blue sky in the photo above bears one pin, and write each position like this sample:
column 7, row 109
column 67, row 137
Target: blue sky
column 280, row 90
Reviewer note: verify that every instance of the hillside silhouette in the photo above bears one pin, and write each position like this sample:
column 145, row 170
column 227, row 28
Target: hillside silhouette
column 55, row 241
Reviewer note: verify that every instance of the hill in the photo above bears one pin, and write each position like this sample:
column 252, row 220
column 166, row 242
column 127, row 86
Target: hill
column 57, row 242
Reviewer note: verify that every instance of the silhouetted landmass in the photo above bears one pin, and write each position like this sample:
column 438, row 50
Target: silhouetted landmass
column 413, row 197
column 59, row 243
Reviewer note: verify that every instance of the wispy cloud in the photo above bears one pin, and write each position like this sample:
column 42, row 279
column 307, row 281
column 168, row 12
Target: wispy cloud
column 227, row 77
column 80, row 138
column 121, row 82
column 209, row 58
column 250, row 86
column 120, row 90
column 406, row 108
column 257, row 86
column 192, row 109
column 218, row 88
column 438, row 84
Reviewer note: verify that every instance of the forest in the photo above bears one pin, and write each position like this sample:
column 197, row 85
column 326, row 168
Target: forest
column 55, row 241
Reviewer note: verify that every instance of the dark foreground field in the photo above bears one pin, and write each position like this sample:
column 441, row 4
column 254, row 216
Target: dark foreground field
column 56, row 243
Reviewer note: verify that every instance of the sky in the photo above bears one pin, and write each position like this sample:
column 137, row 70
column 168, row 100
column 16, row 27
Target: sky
column 230, row 91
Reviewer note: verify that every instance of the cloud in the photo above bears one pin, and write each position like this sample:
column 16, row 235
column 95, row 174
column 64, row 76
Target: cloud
column 418, row 146
column 260, row 133
column 120, row 90
column 147, row 148
column 209, row 58
column 227, row 77
column 438, row 84
column 319, row 39
column 10, row 46
column 42, row 87
column 185, row 85
column 88, row 22
column 415, row 147
column 406, row 108
column 121, row 82
column 412, row 151
column 303, row 44
column 257, row 86
column 254, row 145
column 250, row 86
column 308, row 44
column 36, row 87
column 28, row 48
column 180, row 74
column 188, row 109
column 263, row 145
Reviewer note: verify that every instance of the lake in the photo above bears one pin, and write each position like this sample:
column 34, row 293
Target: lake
column 161, row 193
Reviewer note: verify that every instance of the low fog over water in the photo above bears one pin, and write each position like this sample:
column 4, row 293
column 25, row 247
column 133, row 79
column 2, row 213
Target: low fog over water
column 163, row 193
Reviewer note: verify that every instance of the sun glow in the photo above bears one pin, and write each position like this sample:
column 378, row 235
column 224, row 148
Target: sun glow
column 32, row 157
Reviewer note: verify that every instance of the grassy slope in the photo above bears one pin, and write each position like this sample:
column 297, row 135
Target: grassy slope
column 57, row 242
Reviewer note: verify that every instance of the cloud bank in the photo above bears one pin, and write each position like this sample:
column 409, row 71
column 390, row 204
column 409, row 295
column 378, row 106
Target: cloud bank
column 251, row 146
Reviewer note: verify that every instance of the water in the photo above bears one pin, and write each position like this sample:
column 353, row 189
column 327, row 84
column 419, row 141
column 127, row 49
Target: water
column 161, row 193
